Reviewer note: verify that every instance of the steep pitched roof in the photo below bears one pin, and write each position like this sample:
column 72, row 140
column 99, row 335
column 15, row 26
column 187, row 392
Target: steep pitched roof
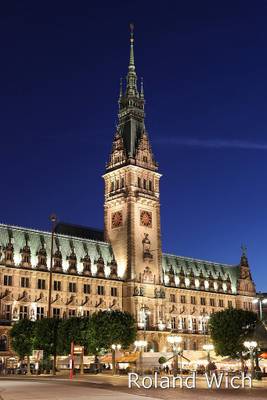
column 201, row 266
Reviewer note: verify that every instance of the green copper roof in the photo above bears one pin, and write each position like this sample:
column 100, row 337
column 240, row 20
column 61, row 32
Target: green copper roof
column 95, row 249
column 188, row 264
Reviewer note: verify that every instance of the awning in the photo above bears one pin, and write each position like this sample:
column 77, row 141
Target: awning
column 126, row 358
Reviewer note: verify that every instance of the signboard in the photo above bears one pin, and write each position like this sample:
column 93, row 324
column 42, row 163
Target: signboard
column 38, row 354
column 78, row 349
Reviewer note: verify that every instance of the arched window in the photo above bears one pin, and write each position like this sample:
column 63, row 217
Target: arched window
column 3, row 343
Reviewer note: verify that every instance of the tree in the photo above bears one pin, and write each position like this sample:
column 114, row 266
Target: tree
column 22, row 339
column 72, row 329
column 229, row 329
column 47, row 338
column 110, row 327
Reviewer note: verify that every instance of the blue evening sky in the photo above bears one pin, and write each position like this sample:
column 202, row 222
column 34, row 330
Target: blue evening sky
column 204, row 65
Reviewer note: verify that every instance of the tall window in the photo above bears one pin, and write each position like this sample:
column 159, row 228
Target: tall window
column 150, row 185
column 57, row 285
column 202, row 301
column 193, row 300
column 220, row 303
column 144, row 183
column 23, row 312
column 86, row 288
column 212, row 302
column 112, row 187
column 100, row 290
column 139, row 182
column 72, row 312
column 25, row 282
column 41, row 284
column 56, row 312
column 114, row 292
column 40, row 313
column 7, row 280
column 183, row 299
column 72, row 287
column 172, row 298
column 122, row 182
column 7, row 311
column 230, row 304
column 173, row 322
column 194, row 324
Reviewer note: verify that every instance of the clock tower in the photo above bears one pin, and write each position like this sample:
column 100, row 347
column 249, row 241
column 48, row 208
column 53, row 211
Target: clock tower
column 132, row 208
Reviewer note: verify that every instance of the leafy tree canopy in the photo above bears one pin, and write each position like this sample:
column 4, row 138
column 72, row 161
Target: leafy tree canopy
column 72, row 329
column 46, row 335
column 22, row 337
column 229, row 329
column 110, row 327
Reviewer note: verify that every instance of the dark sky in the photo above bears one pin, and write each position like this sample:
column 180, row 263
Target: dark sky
column 204, row 65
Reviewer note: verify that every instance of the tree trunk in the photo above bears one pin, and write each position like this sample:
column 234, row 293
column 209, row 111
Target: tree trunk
column 28, row 365
column 242, row 362
column 55, row 364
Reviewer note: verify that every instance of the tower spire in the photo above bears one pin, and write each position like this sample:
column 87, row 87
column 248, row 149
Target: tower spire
column 131, row 89
column 131, row 62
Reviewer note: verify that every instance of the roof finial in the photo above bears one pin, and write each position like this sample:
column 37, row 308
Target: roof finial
column 131, row 63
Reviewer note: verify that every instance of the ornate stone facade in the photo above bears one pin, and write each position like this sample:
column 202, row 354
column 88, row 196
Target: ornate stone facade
column 126, row 268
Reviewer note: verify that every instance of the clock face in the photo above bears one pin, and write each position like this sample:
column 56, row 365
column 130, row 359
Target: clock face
column 116, row 219
column 146, row 218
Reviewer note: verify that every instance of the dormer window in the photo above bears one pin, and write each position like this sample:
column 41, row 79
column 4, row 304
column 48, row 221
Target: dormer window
column 145, row 159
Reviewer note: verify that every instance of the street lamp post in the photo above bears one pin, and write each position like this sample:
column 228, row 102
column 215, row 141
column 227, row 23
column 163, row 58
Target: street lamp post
column 260, row 300
column 208, row 348
column 140, row 344
column 114, row 347
column 174, row 341
column 251, row 345
column 53, row 220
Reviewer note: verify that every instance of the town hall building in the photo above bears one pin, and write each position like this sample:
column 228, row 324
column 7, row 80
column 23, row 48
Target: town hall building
column 122, row 267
